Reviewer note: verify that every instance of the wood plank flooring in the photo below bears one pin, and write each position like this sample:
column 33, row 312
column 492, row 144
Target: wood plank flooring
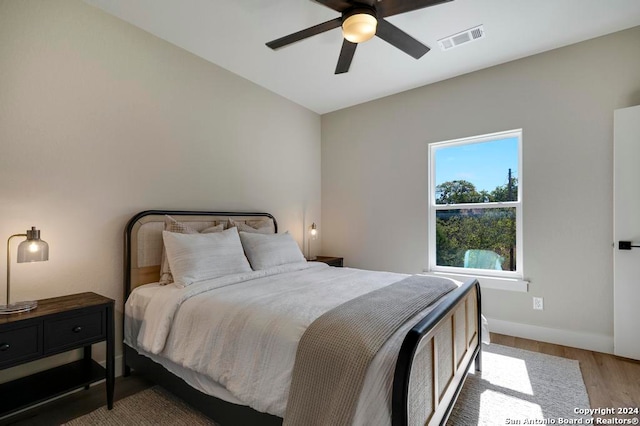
column 610, row 381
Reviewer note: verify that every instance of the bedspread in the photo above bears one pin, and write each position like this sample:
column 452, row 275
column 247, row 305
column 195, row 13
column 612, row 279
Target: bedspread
column 243, row 330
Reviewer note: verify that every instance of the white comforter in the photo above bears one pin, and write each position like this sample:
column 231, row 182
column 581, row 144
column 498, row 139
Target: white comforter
column 243, row 330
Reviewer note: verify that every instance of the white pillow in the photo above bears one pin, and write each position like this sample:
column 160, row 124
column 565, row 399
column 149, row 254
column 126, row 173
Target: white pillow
column 199, row 257
column 268, row 250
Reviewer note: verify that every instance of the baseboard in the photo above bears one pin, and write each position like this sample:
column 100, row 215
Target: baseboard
column 574, row 339
column 118, row 362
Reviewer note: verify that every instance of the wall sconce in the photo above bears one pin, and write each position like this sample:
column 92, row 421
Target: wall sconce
column 313, row 235
column 33, row 249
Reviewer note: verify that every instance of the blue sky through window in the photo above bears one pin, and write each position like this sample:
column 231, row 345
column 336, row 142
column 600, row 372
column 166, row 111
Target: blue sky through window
column 485, row 164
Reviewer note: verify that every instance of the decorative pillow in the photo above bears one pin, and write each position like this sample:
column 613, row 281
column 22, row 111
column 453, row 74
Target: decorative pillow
column 212, row 229
column 198, row 257
column 256, row 226
column 172, row 225
column 266, row 251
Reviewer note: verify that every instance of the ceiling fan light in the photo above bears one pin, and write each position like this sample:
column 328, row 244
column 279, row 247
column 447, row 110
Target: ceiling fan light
column 360, row 27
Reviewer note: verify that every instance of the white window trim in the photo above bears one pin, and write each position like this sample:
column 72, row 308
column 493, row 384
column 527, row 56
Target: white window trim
column 494, row 283
column 505, row 280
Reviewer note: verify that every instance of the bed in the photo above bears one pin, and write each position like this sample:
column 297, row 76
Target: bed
column 244, row 379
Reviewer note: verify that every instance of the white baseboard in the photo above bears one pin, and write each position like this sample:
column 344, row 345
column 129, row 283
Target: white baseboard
column 574, row 339
column 119, row 367
column 118, row 362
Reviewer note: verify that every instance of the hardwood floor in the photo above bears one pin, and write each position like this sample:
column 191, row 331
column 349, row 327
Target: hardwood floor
column 611, row 382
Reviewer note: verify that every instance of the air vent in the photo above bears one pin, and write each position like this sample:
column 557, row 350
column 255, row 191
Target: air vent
column 463, row 37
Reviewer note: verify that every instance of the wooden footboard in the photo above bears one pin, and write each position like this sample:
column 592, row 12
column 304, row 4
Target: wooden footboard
column 434, row 359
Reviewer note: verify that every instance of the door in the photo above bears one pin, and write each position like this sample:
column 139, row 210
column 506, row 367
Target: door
column 626, row 227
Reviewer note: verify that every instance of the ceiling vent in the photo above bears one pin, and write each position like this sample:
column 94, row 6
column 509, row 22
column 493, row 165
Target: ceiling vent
column 472, row 34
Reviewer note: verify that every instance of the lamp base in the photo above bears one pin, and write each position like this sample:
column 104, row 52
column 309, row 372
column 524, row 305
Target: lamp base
column 14, row 308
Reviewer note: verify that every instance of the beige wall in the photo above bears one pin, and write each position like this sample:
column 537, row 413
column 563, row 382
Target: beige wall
column 374, row 177
column 100, row 120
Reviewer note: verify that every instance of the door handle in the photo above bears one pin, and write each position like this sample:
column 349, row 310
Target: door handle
column 626, row 245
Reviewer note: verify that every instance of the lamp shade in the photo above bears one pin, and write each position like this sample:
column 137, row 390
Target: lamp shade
column 313, row 234
column 33, row 249
column 359, row 27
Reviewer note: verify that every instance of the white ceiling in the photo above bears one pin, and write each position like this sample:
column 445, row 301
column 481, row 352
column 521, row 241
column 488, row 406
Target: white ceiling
column 233, row 33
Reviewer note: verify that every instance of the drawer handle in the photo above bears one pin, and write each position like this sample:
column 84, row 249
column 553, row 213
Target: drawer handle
column 4, row 347
column 77, row 329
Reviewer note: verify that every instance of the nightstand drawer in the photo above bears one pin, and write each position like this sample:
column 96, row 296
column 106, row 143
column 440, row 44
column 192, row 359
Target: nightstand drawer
column 74, row 331
column 20, row 344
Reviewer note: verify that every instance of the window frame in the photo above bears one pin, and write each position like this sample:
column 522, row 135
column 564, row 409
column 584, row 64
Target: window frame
column 433, row 208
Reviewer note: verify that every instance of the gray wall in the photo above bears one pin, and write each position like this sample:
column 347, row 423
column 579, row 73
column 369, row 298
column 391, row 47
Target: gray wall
column 374, row 176
column 100, row 120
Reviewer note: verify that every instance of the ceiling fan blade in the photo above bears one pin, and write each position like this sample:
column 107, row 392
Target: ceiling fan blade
column 394, row 7
column 346, row 56
column 398, row 38
column 337, row 5
column 306, row 33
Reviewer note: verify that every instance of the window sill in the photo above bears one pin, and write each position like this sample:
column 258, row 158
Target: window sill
column 494, row 283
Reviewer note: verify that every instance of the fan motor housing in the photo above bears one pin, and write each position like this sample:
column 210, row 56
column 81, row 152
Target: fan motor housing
column 356, row 10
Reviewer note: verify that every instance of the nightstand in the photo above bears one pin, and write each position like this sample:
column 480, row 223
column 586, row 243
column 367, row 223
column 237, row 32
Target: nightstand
column 330, row 260
column 59, row 324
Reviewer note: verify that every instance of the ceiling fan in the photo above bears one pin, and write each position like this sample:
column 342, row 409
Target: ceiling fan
column 360, row 21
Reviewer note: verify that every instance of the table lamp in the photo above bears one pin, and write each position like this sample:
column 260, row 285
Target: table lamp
column 33, row 249
column 313, row 234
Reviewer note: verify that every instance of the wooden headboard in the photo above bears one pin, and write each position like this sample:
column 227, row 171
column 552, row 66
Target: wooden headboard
column 143, row 239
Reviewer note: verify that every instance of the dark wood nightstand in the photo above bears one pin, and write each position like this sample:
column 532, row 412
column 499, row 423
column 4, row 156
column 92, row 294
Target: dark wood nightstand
column 57, row 325
column 330, row 260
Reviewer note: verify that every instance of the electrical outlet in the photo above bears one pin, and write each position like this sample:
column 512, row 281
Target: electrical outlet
column 538, row 303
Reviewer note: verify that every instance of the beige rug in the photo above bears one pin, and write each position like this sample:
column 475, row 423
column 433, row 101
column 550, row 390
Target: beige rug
column 515, row 385
column 153, row 406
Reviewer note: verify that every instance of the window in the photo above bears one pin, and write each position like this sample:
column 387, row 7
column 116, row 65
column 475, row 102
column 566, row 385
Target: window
column 475, row 205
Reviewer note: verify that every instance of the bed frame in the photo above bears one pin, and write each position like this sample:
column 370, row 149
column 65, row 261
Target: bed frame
column 432, row 364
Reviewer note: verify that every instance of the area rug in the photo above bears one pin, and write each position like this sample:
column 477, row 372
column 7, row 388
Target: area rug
column 515, row 387
column 521, row 387
column 153, row 406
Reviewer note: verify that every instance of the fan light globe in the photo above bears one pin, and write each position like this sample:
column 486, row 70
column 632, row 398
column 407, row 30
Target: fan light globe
column 359, row 28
